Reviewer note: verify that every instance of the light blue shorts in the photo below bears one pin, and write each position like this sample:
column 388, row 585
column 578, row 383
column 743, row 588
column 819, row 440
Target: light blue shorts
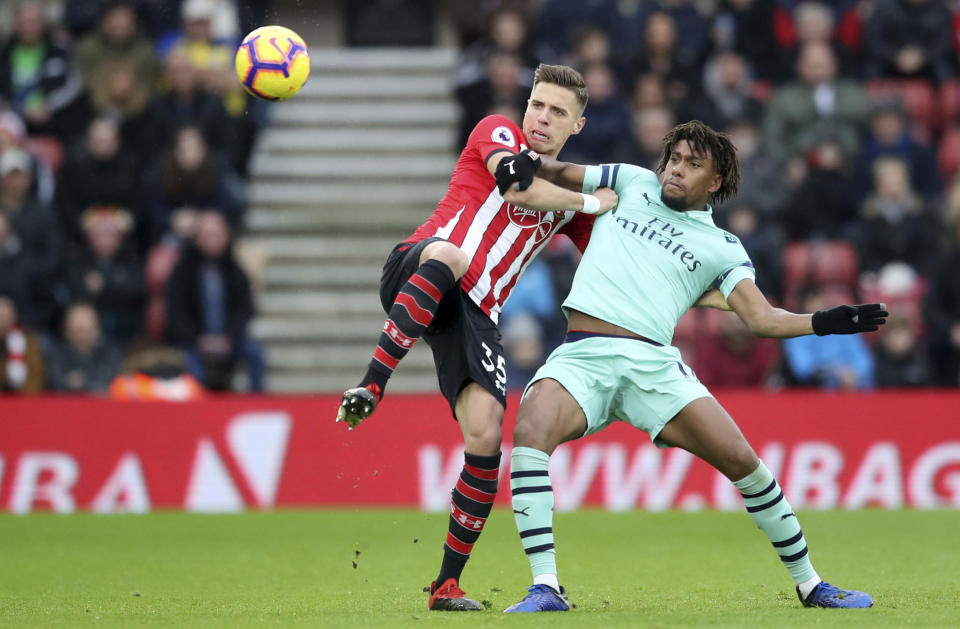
column 616, row 378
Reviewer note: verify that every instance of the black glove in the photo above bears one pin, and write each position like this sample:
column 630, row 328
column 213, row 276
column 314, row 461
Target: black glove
column 519, row 168
column 850, row 319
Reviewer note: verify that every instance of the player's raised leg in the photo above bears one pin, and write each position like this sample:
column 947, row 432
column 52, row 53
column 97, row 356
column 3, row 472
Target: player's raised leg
column 441, row 265
column 480, row 415
column 548, row 416
column 704, row 429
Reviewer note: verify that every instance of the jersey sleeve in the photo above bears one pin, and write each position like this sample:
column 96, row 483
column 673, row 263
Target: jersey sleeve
column 616, row 176
column 578, row 229
column 495, row 133
column 736, row 266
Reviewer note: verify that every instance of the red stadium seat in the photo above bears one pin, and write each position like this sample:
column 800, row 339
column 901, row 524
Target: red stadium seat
column 948, row 157
column 950, row 103
column 831, row 264
column 917, row 97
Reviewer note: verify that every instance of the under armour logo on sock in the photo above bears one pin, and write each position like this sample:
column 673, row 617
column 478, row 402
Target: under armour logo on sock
column 522, row 511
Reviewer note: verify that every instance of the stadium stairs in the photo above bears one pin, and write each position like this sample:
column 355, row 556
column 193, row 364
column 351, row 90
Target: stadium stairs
column 346, row 169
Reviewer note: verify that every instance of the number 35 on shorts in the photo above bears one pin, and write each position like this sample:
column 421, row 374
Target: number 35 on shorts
column 500, row 368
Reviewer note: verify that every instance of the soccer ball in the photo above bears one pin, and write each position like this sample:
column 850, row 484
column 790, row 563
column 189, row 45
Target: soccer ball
column 272, row 63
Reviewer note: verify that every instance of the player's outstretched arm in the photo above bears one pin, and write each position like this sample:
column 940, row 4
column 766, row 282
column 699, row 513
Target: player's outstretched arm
column 766, row 321
column 563, row 174
column 544, row 196
column 520, row 188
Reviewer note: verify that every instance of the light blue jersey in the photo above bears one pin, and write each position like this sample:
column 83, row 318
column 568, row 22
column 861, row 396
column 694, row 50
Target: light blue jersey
column 646, row 264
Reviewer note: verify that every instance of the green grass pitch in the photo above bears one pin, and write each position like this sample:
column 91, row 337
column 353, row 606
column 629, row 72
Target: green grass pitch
column 367, row 568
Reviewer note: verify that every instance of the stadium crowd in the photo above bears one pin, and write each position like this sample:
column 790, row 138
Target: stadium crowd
column 125, row 137
column 846, row 116
column 124, row 141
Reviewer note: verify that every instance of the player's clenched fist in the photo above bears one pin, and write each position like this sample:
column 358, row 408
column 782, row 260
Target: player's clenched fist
column 608, row 199
column 517, row 169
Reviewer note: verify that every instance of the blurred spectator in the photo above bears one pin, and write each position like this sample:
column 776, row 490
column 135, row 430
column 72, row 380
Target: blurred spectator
column 836, row 361
column 661, row 55
column 108, row 274
column 735, row 357
column 901, row 288
column 505, row 82
column 36, row 74
column 822, row 204
column 815, row 22
column 649, row 91
column 212, row 54
column 535, row 296
column 691, row 22
column 942, row 311
column 531, row 323
column 523, row 345
column 187, row 179
column 746, row 26
column 156, row 373
column 16, row 265
column 224, row 20
column 508, row 32
column 816, row 105
column 608, row 115
column 908, row 38
column 13, row 135
column 117, row 37
column 97, row 173
column 890, row 135
column 32, row 233
column 762, row 186
column 649, row 126
column 157, row 17
column 763, row 243
column 187, row 103
column 900, row 360
column 209, row 306
column 85, row 360
column 472, row 19
column 212, row 57
column 895, row 223
column 561, row 20
column 118, row 94
column 726, row 95
column 590, row 45
column 22, row 368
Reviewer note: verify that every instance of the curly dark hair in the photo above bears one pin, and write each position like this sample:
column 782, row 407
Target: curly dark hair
column 705, row 140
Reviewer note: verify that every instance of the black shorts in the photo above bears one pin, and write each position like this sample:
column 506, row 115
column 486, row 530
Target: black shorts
column 464, row 340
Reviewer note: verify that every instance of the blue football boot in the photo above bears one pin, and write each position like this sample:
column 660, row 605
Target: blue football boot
column 542, row 598
column 826, row 595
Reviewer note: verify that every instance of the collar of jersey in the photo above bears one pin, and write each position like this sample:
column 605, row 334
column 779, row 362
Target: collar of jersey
column 693, row 215
column 698, row 215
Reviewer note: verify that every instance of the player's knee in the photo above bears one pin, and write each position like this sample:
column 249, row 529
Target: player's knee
column 483, row 438
column 532, row 430
column 449, row 254
column 739, row 462
column 524, row 432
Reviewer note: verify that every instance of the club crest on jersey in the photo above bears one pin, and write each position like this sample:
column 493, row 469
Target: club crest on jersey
column 503, row 135
column 524, row 218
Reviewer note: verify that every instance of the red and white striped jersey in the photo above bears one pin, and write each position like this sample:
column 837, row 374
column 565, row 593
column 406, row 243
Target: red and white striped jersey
column 499, row 238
